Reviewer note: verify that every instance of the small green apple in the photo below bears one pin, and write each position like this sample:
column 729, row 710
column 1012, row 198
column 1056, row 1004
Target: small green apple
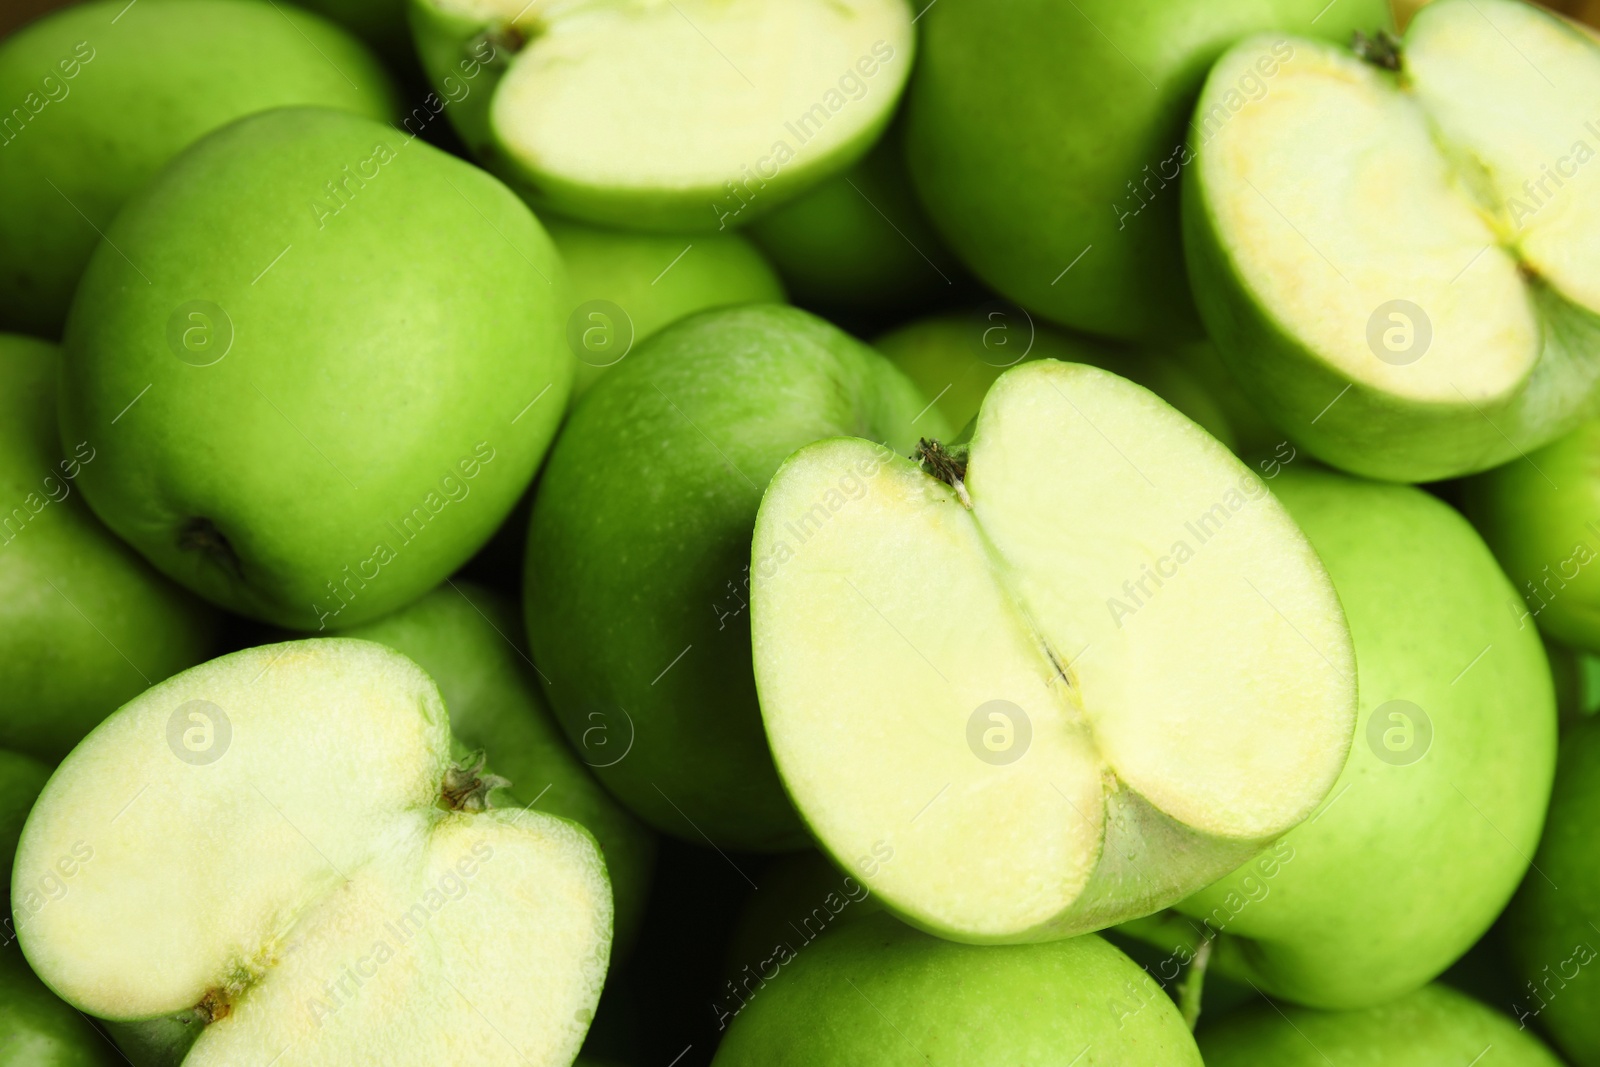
column 98, row 97
column 1434, row 1026
column 625, row 286
column 320, row 361
column 1046, row 140
column 1553, row 925
column 691, row 115
column 278, row 855
column 878, row 993
column 85, row 623
column 1059, row 678
column 954, row 358
column 1395, row 250
column 1432, row 822
column 470, row 642
column 1541, row 516
column 638, row 555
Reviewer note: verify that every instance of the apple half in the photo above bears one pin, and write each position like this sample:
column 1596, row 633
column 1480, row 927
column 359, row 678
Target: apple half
column 1399, row 252
column 681, row 115
column 1055, row 678
column 275, row 857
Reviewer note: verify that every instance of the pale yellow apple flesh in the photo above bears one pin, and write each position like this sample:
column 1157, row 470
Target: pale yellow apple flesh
column 1104, row 566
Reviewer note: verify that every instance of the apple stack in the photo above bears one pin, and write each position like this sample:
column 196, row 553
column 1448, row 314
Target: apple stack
column 799, row 532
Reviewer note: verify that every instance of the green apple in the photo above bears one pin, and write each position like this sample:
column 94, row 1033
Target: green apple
column 1430, row 1027
column 954, row 358
column 626, row 286
column 691, row 115
column 638, row 556
column 860, row 242
column 1401, row 267
column 1060, row 677
column 21, row 778
column 1541, row 516
column 1551, row 927
column 878, row 993
column 284, row 856
column 100, row 96
column 320, row 362
column 1046, row 140
column 470, row 642
column 381, row 23
column 85, row 623
column 1433, row 821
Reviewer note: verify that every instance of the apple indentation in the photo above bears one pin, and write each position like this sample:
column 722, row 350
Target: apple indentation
column 202, row 536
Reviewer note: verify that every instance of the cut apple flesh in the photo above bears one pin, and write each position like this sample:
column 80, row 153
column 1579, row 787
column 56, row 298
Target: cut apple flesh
column 1158, row 669
column 306, row 897
column 1460, row 186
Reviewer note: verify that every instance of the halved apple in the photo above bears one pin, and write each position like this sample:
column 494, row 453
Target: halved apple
column 1399, row 252
column 275, row 857
column 1052, row 680
column 694, row 114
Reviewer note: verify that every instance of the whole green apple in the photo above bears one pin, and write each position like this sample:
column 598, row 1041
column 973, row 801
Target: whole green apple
column 878, row 993
column 1551, row 925
column 85, row 623
column 100, row 96
column 638, row 557
column 470, row 642
column 1541, row 516
column 691, row 115
column 1430, row 1027
column 626, row 286
column 283, row 855
column 1400, row 269
column 320, row 361
column 1430, row 827
column 1046, row 140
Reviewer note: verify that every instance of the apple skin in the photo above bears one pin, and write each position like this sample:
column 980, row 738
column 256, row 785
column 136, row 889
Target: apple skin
column 1031, row 127
column 643, row 274
column 1406, row 865
column 1550, row 933
column 1430, row 1026
column 469, row 640
column 639, row 552
column 878, row 993
column 85, row 623
column 803, row 896
column 1541, row 516
column 391, row 384
column 143, row 89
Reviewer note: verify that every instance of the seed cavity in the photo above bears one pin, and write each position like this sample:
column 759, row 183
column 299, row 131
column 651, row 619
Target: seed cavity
column 947, row 464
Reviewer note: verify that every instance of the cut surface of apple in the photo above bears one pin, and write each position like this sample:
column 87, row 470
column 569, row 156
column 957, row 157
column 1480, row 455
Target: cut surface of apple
column 1050, row 680
column 278, row 851
column 1400, row 254
column 679, row 114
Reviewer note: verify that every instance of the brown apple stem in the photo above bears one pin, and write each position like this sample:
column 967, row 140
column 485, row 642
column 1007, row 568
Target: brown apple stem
column 1193, row 982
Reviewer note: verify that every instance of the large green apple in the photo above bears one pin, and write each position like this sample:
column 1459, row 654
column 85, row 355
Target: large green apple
column 1396, row 250
column 625, row 286
column 85, row 624
column 1060, row 677
column 878, row 993
column 283, row 856
column 100, row 96
column 1432, row 1027
column 1541, row 516
column 1432, row 823
column 1047, row 140
column 638, row 560
column 1553, row 925
column 690, row 115
column 470, row 642
column 320, row 361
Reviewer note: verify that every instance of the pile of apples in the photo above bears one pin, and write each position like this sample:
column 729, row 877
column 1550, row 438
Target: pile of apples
column 470, row 595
